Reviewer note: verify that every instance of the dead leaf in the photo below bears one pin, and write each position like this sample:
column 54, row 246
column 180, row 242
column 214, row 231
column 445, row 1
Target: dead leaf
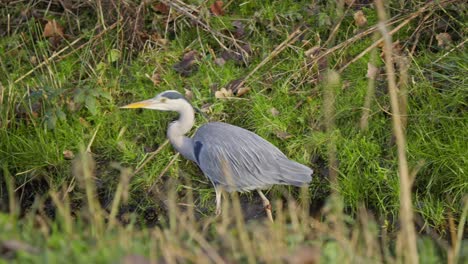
column 154, row 36
column 223, row 93
column 240, row 29
column 243, row 90
column 234, row 85
column 54, row 32
column 188, row 64
column 161, row 8
column 444, row 40
column 220, row 61
column 312, row 52
column 53, row 29
column 274, row 111
column 68, row 154
column 33, row 60
column 360, row 19
column 217, row 8
column 283, row 134
column 188, row 94
column 156, row 78
column 206, row 108
column 397, row 48
column 240, row 56
column 83, row 122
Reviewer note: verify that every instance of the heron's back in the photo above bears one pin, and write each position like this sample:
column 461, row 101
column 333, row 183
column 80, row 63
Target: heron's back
column 239, row 160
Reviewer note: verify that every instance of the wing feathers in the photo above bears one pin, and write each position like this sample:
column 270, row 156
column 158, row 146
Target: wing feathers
column 253, row 163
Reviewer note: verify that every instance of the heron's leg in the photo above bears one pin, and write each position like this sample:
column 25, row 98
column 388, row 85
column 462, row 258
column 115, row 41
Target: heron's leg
column 266, row 205
column 218, row 201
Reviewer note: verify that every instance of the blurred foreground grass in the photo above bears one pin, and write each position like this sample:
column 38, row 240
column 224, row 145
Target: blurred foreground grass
column 65, row 146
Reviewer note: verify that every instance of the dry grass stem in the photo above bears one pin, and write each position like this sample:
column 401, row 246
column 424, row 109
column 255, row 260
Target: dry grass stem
column 331, row 85
column 408, row 234
column 455, row 252
column 83, row 169
column 403, row 67
column 372, row 72
column 10, row 184
column 121, row 193
column 64, row 210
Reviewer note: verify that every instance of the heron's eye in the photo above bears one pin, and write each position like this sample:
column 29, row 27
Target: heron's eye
column 163, row 100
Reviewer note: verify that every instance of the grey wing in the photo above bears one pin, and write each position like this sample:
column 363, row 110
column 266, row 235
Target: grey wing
column 237, row 159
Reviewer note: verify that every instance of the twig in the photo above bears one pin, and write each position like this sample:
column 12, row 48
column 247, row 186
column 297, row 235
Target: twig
column 88, row 148
column 406, row 211
column 164, row 170
column 137, row 170
column 451, row 50
column 291, row 38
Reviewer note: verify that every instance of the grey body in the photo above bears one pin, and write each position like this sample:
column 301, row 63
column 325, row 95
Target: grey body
column 251, row 161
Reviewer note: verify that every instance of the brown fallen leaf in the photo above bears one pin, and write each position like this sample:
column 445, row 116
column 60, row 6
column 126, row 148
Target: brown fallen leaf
column 243, row 90
column 274, row 111
column 68, row 154
column 54, row 32
column 283, row 134
column 83, row 122
column 206, row 108
column 33, row 60
column 234, row 85
column 217, row 8
column 161, row 8
column 223, row 93
column 239, row 33
column 360, row 19
column 156, row 78
column 188, row 94
column 240, row 56
column 220, row 61
column 53, row 29
column 312, row 52
column 444, row 40
column 188, row 64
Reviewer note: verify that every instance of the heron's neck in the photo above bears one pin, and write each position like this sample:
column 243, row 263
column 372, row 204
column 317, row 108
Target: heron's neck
column 177, row 130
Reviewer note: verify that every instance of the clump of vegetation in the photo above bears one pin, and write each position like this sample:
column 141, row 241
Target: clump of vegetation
column 80, row 179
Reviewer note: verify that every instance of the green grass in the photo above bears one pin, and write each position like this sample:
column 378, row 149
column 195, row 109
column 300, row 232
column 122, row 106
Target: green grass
column 72, row 102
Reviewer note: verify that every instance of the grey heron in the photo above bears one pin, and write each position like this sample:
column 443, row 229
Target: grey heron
column 232, row 158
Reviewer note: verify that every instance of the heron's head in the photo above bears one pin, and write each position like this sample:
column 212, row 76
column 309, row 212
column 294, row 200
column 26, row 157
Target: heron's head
column 166, row 101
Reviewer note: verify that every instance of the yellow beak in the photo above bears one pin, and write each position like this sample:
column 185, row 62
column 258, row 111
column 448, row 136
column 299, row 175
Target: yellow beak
column 141, row 104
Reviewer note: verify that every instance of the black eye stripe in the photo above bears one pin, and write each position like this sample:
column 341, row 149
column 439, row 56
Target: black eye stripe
column 173, row 95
